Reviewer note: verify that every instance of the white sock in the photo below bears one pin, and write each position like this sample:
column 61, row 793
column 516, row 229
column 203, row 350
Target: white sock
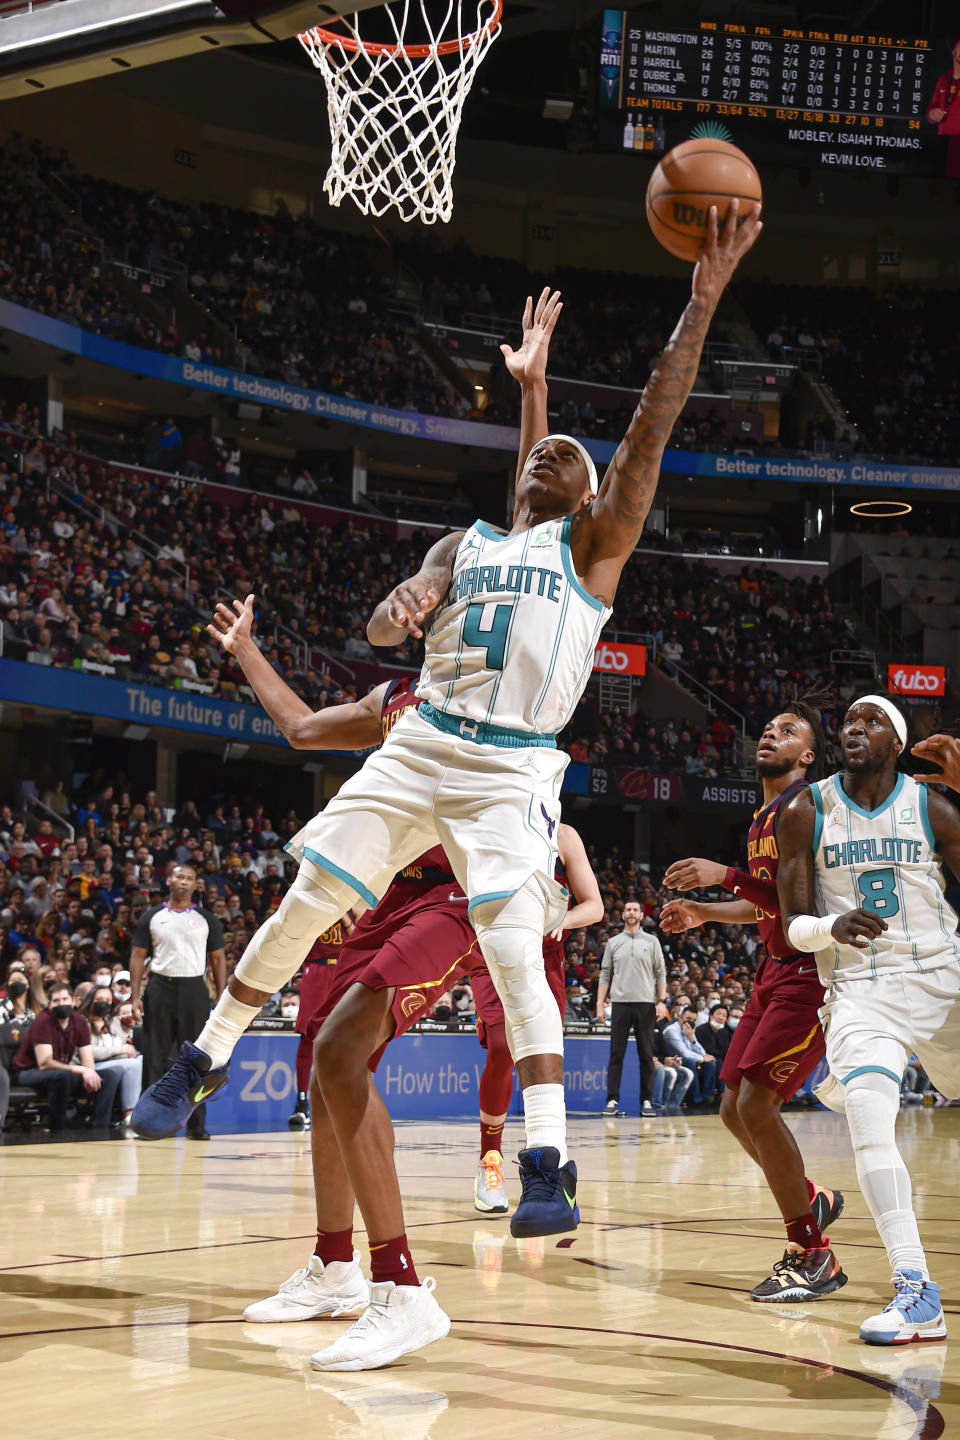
column 227, row 1023
column 545, row 1113
column 872, row 1105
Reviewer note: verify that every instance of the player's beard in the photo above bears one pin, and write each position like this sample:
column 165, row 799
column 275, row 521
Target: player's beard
column 773, row 769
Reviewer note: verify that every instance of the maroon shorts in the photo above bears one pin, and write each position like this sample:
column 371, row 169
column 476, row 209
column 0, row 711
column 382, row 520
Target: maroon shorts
column 779, row 1041
column 317, row 979
column 412, row 944
column 487, row 1001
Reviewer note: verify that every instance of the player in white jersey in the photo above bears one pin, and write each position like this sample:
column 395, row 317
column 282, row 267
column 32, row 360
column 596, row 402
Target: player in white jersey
column 511, row 622
column 861, row 886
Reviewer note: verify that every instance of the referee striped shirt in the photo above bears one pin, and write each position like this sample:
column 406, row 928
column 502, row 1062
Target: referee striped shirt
column 178, row 941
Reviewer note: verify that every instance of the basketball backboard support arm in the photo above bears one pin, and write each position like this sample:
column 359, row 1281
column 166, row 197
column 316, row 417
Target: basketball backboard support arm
column 43, row 46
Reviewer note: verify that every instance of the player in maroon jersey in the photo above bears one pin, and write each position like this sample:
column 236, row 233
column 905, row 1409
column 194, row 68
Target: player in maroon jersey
column 317, row 975
column 778, row 1043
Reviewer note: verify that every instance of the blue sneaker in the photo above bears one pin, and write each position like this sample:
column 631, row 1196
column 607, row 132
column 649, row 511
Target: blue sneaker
column 171, row 1100
column 914, row 1313
column 548, row 1201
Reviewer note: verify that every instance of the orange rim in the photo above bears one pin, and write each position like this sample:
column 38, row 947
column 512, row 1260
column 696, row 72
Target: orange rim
column 417, row 52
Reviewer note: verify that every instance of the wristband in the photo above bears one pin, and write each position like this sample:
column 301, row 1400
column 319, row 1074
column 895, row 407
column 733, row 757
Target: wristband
column 811, row 932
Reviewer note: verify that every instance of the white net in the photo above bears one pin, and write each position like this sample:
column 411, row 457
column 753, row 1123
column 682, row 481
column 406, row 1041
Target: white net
column 395, row 107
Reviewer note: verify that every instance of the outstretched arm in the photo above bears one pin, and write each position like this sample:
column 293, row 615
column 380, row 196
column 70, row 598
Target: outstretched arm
column 339, row 727
column 679, row 915
column 581, row 882
column 610, row 530
column 413, row 601
column 528, row 365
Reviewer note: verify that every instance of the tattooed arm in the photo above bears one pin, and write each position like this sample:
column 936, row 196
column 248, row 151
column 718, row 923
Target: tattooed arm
column 605, row 534
column 413, row 601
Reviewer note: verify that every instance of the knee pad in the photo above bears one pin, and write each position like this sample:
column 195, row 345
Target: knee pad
column 315, row 901
column 511, row 938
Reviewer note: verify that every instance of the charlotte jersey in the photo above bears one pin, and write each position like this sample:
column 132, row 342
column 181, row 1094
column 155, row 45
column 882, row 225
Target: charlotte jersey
column 882, row 860
column 512, row 645
column 432, row 867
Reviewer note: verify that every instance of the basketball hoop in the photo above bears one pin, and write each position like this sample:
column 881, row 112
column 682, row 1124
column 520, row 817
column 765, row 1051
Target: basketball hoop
column 395, row 107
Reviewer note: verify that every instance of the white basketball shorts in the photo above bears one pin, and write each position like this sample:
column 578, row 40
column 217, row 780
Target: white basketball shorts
column 878, row 1023
column 495, row 810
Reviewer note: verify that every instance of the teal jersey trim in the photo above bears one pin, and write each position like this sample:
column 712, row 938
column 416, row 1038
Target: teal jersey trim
column 324, row 864
column 481, row 732
column 858, row 809
column 925, row 819
column 872, row 1070
column 569, row 571
column 487, row 531
column 487, row 897
column 818, row 818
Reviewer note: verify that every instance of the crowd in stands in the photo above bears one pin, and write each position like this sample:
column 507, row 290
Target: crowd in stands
column 893, row 359
column 118, row 570
column 266, row 281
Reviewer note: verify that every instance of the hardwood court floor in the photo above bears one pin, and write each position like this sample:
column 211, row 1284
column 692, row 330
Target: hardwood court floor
column 124, row 1268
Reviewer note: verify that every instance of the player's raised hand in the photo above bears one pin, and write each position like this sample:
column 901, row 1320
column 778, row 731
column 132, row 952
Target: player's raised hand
column 943, row 750
column 678, row 915
column 688, row 874
column 528, row 364
column 858, row 928
column 724, row 248
column 230, row 627
column 410, row 604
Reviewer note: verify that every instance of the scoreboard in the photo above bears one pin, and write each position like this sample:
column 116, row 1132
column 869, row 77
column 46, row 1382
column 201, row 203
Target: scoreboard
column 840, row 99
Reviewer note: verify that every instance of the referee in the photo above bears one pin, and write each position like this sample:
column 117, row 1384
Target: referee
column 633, row 973
column 178, row 937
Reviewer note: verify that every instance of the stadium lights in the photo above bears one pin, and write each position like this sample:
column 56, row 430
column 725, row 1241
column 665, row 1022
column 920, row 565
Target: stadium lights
column 881, row 509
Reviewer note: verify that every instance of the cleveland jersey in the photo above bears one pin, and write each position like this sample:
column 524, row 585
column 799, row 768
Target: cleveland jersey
column 512, row 644
column 884, row 860
column 763, row 862
column 432, row 867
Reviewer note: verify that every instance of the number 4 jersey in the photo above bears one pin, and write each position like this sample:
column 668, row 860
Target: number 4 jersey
column 882, row 860
column 512, row 645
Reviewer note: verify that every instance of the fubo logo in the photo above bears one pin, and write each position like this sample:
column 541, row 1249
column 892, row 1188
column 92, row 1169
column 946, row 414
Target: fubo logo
column 916, row 680
column 612, row 659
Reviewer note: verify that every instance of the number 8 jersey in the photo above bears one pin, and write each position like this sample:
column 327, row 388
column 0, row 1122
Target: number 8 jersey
column 882, row 860
column 512, row 645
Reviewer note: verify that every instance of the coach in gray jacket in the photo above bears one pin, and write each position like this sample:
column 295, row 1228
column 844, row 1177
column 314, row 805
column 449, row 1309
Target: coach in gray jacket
column 633, row 974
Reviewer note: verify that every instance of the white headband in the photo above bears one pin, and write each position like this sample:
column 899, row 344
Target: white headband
column 585, row 456
column 891, row 711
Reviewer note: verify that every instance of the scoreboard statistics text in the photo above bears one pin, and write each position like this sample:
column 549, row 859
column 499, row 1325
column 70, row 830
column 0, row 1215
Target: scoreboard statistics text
column 842, row 99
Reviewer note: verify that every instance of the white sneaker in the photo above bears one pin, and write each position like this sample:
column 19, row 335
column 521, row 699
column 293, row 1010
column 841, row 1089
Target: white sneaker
column 489, row 1191
column 914, row 1313
column 612, row 1107
column 335, row 1289
column 399, row 1318
column 647, row 1108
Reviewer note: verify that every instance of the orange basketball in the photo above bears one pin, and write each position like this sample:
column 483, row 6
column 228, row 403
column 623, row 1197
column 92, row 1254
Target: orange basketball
column 688, row 180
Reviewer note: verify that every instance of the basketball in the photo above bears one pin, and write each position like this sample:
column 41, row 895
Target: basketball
column 687, row 181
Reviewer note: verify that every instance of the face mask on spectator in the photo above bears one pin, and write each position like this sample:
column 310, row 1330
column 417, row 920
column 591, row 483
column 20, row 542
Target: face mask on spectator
column 734, row 1022
column 62, row 1012
column 102, row 1007
column 103, row 978
column 16, row 989
column 290, row 1012
column 122, row 991
column 716, row 1025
